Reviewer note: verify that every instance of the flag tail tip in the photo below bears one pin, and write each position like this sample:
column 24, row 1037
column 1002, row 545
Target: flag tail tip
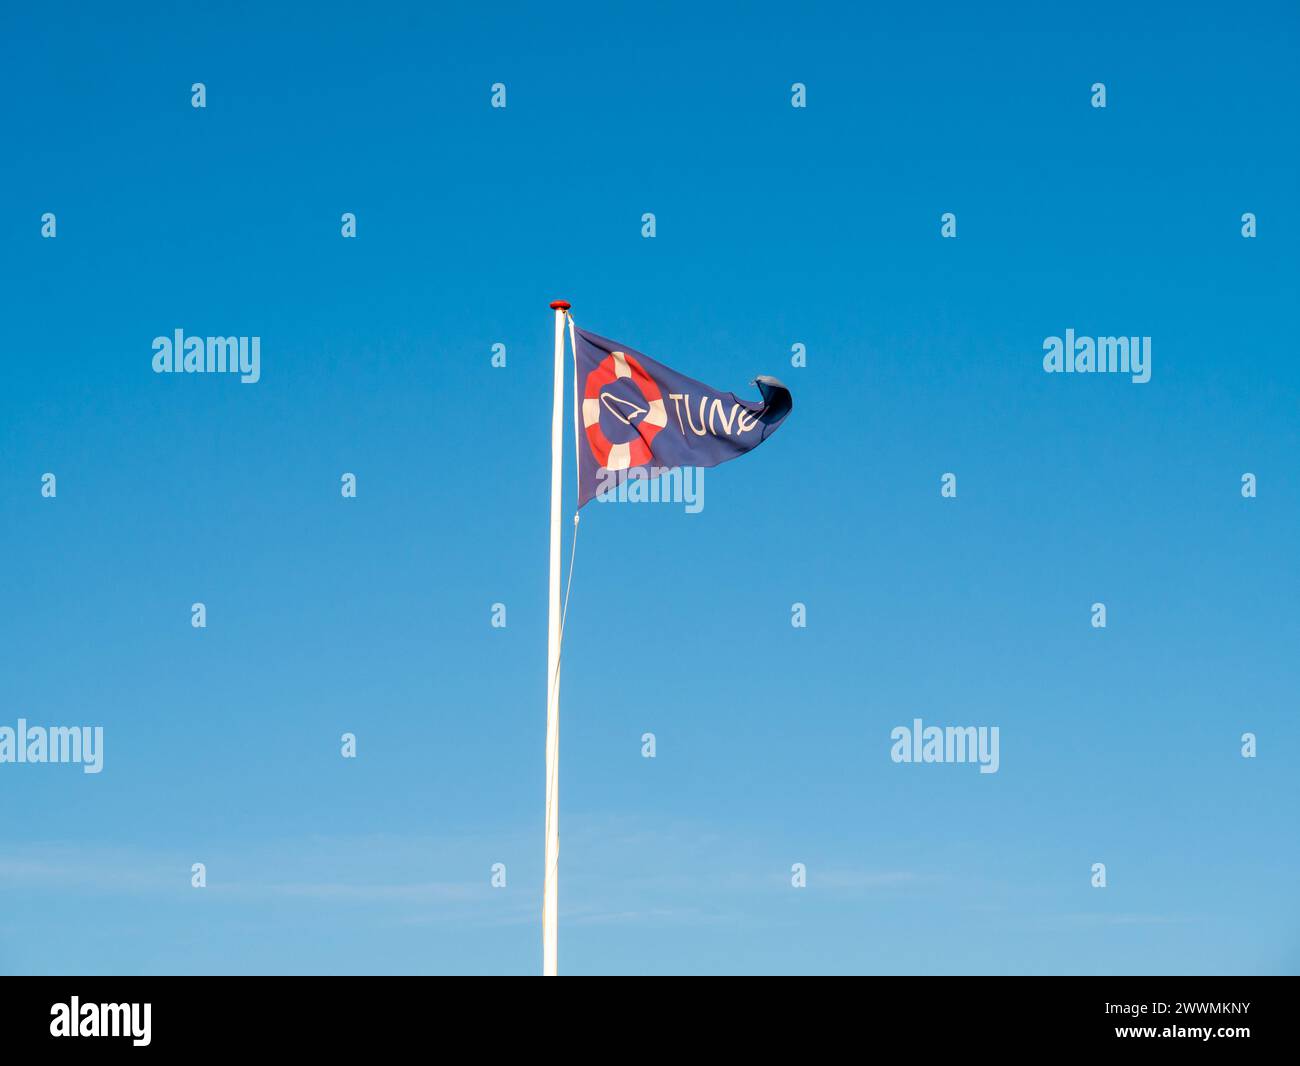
column 777, row 397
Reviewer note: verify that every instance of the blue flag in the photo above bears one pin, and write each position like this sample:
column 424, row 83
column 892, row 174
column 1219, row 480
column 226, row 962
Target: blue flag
column 638, row 417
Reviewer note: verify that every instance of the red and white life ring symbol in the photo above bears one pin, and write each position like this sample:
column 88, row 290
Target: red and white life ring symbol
column 646, row 421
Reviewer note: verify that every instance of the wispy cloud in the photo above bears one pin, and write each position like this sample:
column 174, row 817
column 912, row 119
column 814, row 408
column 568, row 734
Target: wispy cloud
column 864, row 880
column 1122, row 919
column 427, row 892
column 616, row 872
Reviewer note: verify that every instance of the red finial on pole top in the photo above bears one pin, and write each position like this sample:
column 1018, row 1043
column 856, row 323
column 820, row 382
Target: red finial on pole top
column 560, row 305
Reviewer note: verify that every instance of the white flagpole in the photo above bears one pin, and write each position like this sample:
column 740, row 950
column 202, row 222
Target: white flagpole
column 551, row 874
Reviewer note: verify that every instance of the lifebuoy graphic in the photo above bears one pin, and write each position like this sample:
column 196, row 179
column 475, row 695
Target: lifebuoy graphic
column 645, row 420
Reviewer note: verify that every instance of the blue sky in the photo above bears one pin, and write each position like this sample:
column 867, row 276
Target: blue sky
column 775, row 225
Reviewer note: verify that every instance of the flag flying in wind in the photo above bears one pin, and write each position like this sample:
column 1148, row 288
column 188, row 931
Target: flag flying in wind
column 637, row 415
